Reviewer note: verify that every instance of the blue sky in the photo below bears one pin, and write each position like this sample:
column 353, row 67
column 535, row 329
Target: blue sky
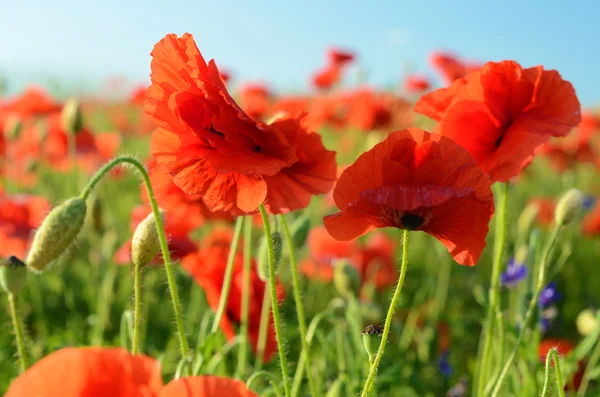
column 282, row 42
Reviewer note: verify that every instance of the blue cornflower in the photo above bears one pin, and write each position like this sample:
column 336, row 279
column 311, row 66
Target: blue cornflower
column 460, row 389
column 444, row 365
column 549, row 295
column 588, row 202
column 515, row 272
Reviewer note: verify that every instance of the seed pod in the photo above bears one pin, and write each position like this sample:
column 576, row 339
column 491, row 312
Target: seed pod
column 299, row 230
column 13, row 274
column 568, row 207
column 587, row 322
column 371, row 339
column 145, row 244
column 57, row 232
column 71, row 117
column 346, row 278
column 12, row 127
column 263, row 256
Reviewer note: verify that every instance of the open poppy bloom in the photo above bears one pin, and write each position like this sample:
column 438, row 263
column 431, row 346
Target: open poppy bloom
column 19, row 216
column 138, row 96
column 255, row 99
column 568, row 153
column 370, row 110
column 34, row 101
column 546, row 207
column 416, row 84
column 448, row 66
column 327, row 77
column 502, row 113
column 207, row 142
column 591, row 222
column 418, row 181
column 337, row 56
column 97, row 372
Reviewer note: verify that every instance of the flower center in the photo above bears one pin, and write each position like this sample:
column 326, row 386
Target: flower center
column 411, row 221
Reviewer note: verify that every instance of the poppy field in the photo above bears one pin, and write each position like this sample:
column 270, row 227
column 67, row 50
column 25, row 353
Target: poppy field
column 203, row 238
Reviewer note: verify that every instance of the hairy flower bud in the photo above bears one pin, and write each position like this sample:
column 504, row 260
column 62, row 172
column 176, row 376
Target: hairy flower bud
column 145, row 244
column 13, row 274
column 71, row 117
column 568, row 207
column 587, row 322
column 58, row 230
column 346, row 278
column 371, row 339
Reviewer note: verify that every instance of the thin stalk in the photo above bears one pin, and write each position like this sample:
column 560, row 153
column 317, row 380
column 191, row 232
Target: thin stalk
column 299, row 307
column 104, row 303
column 245, row 305
column 553, row 356
column 389, row 317
column 19, row 334
column 494, row 294
column 228, row 274
column 164, row 246
column 532, row 306
column 137, row 308
column 262, row 331
column 585, row 381
column 273, row 289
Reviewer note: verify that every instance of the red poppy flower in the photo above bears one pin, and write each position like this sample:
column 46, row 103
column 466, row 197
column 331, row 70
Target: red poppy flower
column 376, row 261
column 327, row 110
column 327, row 77
column 225, row 76
column 314, row 173
column 33, row 102
column 255, row 99
column 590, row 124
column 336, row 56
column 207, row 266
column 98, row 372
column 369, row 110
column 502, row 113
column 292, row 105
column 324, row 251
column 19, row 216
column 419, row 181
column 591, row 222
column 545, row 206
column 138, row 96
column 416, row 84
column 564, row 347
column 568, row 153
column 209, row 144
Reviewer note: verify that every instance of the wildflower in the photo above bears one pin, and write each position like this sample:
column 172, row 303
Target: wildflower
column 591, row 222
column 416, row 84
column 418, row 181
column 502, row 113
column 34, row 101
column 444, row 365
column 337, row 56
column 19, row 216
column 587, row 322
column 324, row 251
column 448, row 65
column 327, row 77
column 515, row 273
column 460, row 389
column 255, row 100
column 549, row 295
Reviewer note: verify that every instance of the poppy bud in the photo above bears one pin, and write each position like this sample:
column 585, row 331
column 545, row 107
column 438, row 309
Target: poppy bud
column 346, row 278
column 521, row 254
column 71, row 117
column 299, row 230
column 263, row 255
column 587, row 322
column 526, row 221
column 371, row 339
column 58, row 230
column 568, row 207
column 145, row 244
column 13, row 274
column 12, row 127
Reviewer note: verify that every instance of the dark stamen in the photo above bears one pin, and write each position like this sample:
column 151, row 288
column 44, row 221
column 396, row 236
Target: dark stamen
column 411, row 221
column 212, row 130
column 499, row 141
column 257, row 149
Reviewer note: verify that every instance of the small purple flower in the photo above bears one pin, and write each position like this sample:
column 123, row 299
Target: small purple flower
column 515, row 272
column 444, row 365
column 459, row 389
column 549, row 295
column 588, row 202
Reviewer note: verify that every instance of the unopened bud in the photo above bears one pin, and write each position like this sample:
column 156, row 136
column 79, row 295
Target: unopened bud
column 13, row 274
column 346, row 278
column 145, row 244
column 263, row 256
column 526, row 221
column 12, row 127
column 568, row 207
column 58, row 230
column 587, row 322
column 71, row 117
column 522, row 254
column 371, row 339
column 299, row 230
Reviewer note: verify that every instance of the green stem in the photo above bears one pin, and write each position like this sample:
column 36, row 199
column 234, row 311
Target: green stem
column 262, row 331
column 388, row 319
column 315, row 392
column 273, row 289
column 266, row 374
column 553, row 356
column 164, row 246
column 585, row 381
column 532, row 306
column 137, row 308
column 19, row 334
column 243, row 352
column 228, row 275
column 494, row 293
column 104, row 302
column 72, row 146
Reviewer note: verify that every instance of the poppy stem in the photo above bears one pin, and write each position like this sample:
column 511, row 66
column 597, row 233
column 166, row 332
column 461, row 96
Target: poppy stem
column 388, row 320
column 553, row 355
column 275, row 308
column 243, row 352
column 591, row 364
column 72, row 146
column 228, row 275
column 19, row 334
column 494, row 293
column 164, row 245
column 532, row 308
column 137, row 308
column 262, row 331
column 314, row 391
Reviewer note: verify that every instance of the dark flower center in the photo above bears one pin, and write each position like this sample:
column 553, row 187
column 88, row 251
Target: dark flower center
column 411, row 221
column 212, row 130
column 498, row 141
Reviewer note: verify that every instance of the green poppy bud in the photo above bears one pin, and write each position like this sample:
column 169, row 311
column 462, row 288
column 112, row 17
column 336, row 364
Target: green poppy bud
column 71, row 117
column 568, row 207
column 371, row 339
column 57, row 232
column 145, row 244
column 13, row 274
